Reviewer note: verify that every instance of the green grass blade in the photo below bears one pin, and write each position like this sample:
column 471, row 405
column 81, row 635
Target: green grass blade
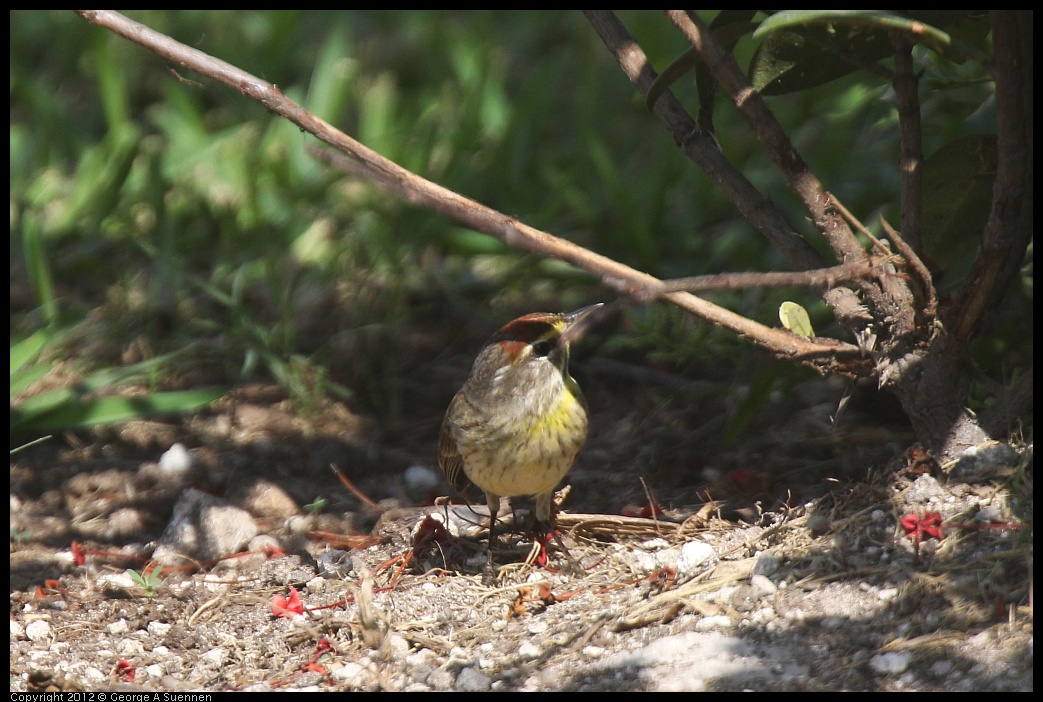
column 109, row 410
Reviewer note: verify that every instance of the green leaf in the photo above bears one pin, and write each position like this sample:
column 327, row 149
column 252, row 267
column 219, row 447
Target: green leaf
column 28, row 349
column 805, row 48
column 26, row 413
column 331, row 80
column 22, row 379
column 868, row 19
column 796, row 56
column 469, row 242
column 795, row 318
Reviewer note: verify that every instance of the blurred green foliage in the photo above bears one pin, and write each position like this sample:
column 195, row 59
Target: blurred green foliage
column 147, row 203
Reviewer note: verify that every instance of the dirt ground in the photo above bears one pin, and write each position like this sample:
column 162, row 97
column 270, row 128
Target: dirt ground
column 778, row 563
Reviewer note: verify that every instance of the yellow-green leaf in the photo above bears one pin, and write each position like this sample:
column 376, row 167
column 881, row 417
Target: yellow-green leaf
column 795, row 318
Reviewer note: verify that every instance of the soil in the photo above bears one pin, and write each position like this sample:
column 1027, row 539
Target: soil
column 778, row 561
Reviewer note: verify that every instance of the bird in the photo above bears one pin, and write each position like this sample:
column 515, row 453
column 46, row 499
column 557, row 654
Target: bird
column 519, row 421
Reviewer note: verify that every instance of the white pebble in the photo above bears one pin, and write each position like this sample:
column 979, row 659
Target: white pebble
column 695, row 557
column 158, row 629
column 176, row 459
column 763, row 584
column 891, row 663
column 529, row 650
column 119, row 626
column 38, row 630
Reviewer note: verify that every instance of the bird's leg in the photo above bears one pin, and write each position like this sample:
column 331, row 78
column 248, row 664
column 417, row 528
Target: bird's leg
column 546, row 524
column 574, row 566
column 493, row 502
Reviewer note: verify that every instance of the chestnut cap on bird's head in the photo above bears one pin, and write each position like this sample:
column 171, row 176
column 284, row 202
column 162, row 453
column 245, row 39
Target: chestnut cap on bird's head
column 542, row 333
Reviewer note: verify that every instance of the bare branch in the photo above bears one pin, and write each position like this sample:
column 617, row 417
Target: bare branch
column 854, row 221
column 769, row 132
column 889, row 297
column 929, row 296
column 819, row 277
column 1009, row 228
column 369, row 164
column 701, row 147
column 905, row 83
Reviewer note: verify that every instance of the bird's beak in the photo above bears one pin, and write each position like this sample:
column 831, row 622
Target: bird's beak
column 574, row 326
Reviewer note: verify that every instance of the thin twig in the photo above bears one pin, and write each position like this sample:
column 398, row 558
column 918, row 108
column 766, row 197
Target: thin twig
column 880, row 246
column 705, row 152
column 653, row 506
column 923, row 275
column 889, row 297
column 819, row 277
column 350, row 487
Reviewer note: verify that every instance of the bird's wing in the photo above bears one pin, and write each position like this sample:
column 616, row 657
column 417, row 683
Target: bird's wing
column 449, row 458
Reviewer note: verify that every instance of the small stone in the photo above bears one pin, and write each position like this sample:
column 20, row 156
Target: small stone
column 763, row 584
column 818, row 524
column 264, row 499
column 126, row 521
column 529, row 650
column 470, row 680
column 118, row 627
column 205, row 528
column 941, row 668
column 158, row 629
column 537, row 626
column 176, row 460
column 767, row 563
column 420, row 479
column 892, row 663
column 696, row 557
column 718, row 621
column 38, row 630
column 354, row 674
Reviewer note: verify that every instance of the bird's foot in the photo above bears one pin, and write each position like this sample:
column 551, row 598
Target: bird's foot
column 543, row 534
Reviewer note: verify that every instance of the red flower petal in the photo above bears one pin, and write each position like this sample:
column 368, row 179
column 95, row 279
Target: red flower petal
column 287, row 607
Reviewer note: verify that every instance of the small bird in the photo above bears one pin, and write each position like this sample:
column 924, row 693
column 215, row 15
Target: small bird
column 518, row 422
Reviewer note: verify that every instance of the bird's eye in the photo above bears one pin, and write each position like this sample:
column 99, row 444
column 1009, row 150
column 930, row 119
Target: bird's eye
column 541, row 347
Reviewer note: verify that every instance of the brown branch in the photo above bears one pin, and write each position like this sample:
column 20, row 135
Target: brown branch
column 922, row 276
column 906, row 85
column 769, row 132
column 1010, row 225
column 369, row 164
column 700, row 146
column 929, row 296
column 819, row 277
column 889, row 297
column 880, row 246
column 704, row 151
